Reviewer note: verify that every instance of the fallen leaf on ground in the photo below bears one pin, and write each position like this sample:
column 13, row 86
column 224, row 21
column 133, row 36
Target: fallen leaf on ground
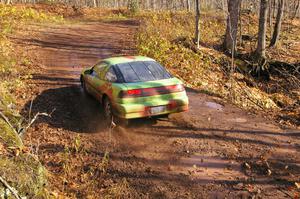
column 2, row 150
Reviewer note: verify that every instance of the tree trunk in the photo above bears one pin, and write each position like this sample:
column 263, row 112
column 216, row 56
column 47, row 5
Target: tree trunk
column 270, row 13
column 153, row 5
column 277, row 26
column 296, row 9
column 261, row 43
column 232, row 25
column 223, row 5
column 188, row 4
column 274, row 6
column 197, row 25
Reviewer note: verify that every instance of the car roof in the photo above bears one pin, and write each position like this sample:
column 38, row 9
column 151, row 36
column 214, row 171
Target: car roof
column 126, row 59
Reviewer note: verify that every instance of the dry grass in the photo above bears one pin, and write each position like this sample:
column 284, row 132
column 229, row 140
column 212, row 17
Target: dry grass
column 120, row 190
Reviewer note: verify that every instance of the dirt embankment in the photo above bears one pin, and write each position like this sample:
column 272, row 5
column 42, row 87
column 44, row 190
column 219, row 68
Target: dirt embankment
column 213, row 151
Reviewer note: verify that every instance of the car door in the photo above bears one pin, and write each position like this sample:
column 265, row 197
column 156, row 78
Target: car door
column 96, row 80
column 110, row 79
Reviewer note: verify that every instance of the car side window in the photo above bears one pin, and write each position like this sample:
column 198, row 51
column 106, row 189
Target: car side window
column 111, row 75
column 99, row 70
column 94, row 73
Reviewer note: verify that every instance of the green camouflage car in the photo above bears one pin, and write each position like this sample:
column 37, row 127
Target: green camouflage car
column 134, row 87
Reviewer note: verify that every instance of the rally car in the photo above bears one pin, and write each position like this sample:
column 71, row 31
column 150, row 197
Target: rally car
column 134, row 87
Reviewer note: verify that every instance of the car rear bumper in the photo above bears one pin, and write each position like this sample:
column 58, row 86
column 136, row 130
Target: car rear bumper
column 131, row 111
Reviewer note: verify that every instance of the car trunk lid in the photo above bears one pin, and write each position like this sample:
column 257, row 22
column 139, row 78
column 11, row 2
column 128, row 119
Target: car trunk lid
column 141, row 92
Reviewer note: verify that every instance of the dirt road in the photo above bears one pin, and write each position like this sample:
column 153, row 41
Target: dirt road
column 213, row 151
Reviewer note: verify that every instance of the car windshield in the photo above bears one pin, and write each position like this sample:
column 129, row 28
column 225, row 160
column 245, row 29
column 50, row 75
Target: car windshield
column 141, row 71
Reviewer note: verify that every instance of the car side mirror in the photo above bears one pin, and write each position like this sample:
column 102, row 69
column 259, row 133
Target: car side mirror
column 90, row 71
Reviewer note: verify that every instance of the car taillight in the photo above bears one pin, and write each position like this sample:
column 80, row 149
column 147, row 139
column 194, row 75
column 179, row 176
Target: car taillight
column 143, row 92
column 134, row 92
column 131, row 93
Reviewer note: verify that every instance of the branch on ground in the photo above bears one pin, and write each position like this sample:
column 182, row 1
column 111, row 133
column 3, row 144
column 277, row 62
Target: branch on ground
column 11, row 189
column 11, row 126
column 23, row 130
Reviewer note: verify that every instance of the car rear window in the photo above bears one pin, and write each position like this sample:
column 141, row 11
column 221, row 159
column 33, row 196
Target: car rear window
column 141, row 71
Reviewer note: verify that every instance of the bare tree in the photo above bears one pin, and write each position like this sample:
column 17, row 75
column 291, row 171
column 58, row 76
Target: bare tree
column 296, row 9
column 197, row 25
column 232, row 25
column 277, row 26
column 188, row 5
column 270, row 17
column 261, row 43
column 292, row 5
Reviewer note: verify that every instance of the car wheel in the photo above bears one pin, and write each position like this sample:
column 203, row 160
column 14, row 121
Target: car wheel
column 109, row 116
column 107, row 107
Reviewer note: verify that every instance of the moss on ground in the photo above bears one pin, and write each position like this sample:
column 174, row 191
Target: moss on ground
column 25, row 174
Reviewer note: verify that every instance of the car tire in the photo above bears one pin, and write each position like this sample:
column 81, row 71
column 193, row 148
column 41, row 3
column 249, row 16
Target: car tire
column 110, row 117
